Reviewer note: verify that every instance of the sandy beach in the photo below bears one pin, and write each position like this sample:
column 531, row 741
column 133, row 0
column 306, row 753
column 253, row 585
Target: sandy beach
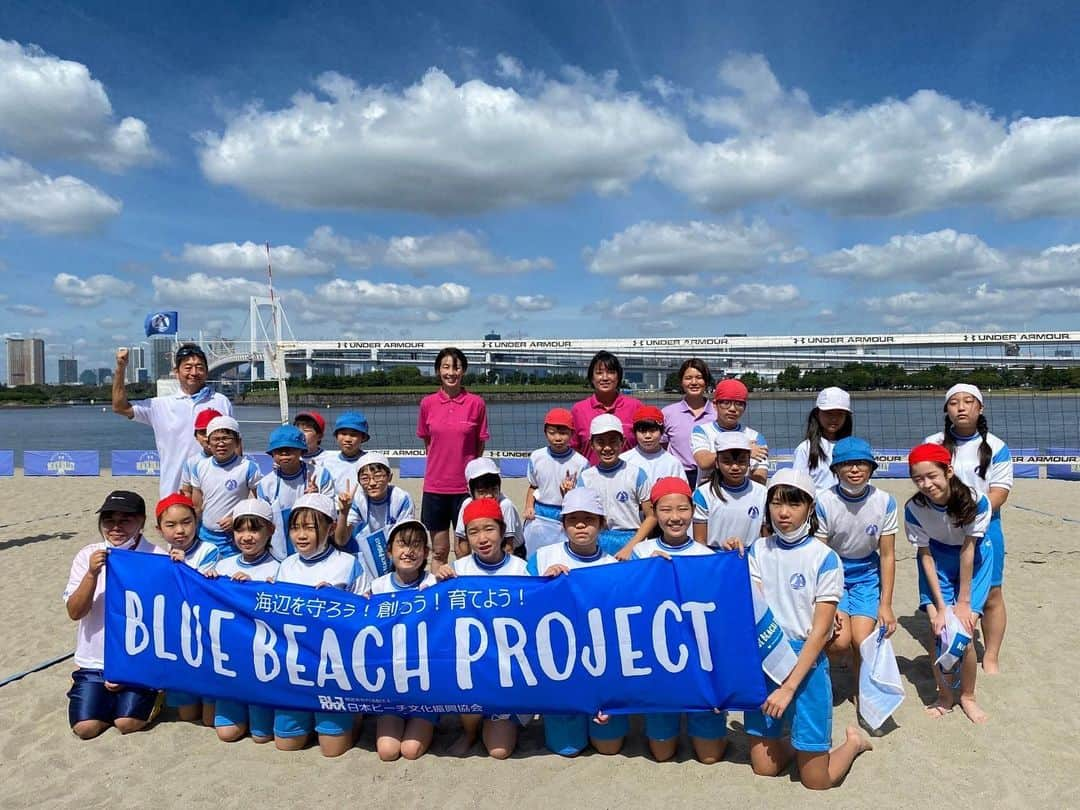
column 1027, row 755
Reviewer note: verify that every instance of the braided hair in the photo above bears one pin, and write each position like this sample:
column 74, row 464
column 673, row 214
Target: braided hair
column 985, row 454
column 813, row 435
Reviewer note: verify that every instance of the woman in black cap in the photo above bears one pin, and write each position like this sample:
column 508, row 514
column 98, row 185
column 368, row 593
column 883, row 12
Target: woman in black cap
column 94, row 704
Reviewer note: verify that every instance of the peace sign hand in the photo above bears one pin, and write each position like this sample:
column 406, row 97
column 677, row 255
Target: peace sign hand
column 345, row 498
column 311, row 487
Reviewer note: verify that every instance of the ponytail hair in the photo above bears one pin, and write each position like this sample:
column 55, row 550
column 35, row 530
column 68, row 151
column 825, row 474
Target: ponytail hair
column 961, row 506
column 985, row 453
column 813, row 435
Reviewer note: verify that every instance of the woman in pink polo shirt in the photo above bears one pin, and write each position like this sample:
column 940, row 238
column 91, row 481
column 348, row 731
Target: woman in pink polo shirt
column 606, row 375
column 453, row 424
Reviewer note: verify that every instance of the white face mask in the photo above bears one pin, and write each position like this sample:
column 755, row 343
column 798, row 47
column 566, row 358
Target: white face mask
column 796, row 534
column 853, row 492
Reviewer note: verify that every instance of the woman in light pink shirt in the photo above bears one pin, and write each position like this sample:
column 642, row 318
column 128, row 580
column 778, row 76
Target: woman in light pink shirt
column 453, row 425
column 606, row 375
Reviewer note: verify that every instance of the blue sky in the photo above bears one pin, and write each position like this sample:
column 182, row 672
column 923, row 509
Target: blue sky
column 546, row 169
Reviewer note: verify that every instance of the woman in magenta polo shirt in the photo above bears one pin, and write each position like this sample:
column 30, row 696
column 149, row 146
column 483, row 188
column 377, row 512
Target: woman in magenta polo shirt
column 680, row 418
column 453, row 425
column 606, row 375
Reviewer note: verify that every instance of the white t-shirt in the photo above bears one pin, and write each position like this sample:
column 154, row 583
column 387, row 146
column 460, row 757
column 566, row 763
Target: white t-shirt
column 173, row 421
column 740, row 514
column 259, row 570
column 343, row 470
column 511, row 517
column 281, row 492
column 703, row 437
column 794, row 578
column 371, row 520
column 623, row 488
column 853, row 526
column 966, row 461
column 562, row 554
column 388, row 583
column 547, row 471
column 332, row 565
column 223, row 486
column 471, row 566
column 691, row 548
column 185, row 470
column 203, row 556
column 931, row 522
column 90, row 631
column 822, row 475
column 660, row 464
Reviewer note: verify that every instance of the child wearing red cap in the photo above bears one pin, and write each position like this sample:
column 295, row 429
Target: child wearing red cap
column 202, row 419
column 313, row 427
column 947, row 521
column 671, row 498
column 484, row 528
column 552, row 472
column 179, row 527
column 649, row 454
column 730, row 398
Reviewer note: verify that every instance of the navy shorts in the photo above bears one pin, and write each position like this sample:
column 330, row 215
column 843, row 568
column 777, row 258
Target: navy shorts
column 439, row 511
column 88, row 699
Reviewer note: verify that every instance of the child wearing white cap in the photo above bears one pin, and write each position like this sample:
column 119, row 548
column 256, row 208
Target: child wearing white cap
column 623, row 488
column 729, row 504
column 829, row 421
column 484, row 480
column 220, row 482
column 583, row 520
column 802, row 582
column 368, row 512
column 982, row 461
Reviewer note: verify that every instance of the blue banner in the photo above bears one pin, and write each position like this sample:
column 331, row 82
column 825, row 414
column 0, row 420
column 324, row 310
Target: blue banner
column 7, row 462
column 649, row 635
column 1064, row 470
column 135, row 462
column 263, row 461
column 61, row 462
column 161, row 323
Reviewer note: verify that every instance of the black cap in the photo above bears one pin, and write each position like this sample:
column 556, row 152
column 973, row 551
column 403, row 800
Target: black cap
column 121, row 500
column 188, row 350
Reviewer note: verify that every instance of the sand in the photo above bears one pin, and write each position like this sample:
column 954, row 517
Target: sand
column 1027, row 755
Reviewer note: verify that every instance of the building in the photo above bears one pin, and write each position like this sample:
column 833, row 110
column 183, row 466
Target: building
column 88, row 377
column 69, row 371
column 104, row 376
column 161, row 357
column 26, row 361
column 136, row 363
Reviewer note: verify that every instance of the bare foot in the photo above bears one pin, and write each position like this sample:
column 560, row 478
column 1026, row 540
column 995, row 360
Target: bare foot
column 854, row 735
column 990, row 666
column 462, row 745
column 972, row 710
column 942, row 707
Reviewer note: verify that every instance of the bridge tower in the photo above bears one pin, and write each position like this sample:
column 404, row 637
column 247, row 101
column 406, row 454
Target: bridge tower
column 268, row 325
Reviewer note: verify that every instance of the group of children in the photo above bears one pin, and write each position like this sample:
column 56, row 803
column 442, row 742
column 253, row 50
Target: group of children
column 819, row 538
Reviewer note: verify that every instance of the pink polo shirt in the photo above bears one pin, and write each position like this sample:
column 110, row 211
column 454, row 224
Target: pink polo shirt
column 588, row 409
column 454, row 429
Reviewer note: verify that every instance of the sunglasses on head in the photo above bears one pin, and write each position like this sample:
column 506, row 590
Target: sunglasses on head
column 185, row 352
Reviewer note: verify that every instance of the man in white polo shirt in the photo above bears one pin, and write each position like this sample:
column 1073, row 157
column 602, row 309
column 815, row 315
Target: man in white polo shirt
column 172, row 417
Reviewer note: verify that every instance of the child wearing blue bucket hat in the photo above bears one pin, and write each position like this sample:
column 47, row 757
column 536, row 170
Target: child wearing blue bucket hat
column 858, row 521
column 350, row 432
column 291, row 477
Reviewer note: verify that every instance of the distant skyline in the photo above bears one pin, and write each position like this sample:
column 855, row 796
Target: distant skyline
column 565, row 169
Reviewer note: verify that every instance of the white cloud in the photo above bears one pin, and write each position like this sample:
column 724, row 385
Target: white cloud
column 440, row 147
column 342, row 294
column 533, row 303
column 647, row 253
column 981, row 302
column 894, row 156
column 201, row 290
column 650, row 281
column 27, row 309
column 91, row 291
column 508, row 67
column 449, row 249
column 251, row 258
column 53, row 108
column 741, row 299
column 51, row 205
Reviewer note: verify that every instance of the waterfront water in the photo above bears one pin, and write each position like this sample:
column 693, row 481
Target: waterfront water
column 1026, row 420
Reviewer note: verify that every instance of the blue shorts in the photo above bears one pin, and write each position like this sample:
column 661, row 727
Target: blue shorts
column 703, row 725
column 862, row 587
column 258, row 719
column 88, row 699
column 997, row 541
column 288, row 723
column 568, row 734
column 174, row 699
column 947, row 561
column 547, row 510
column 612, row 540
column 223, row 541
column 809, row 715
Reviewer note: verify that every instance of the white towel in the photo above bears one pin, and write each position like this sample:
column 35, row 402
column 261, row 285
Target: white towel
column 880, row 689
column 953, row 641
column 540, row 532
